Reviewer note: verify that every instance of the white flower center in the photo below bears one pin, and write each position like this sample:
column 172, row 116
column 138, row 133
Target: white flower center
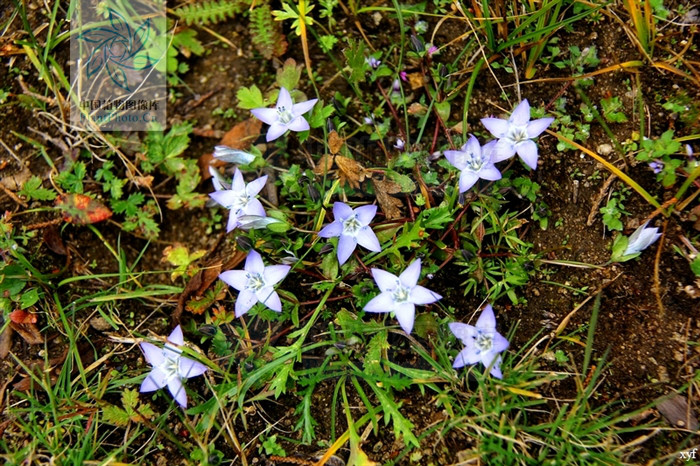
column 240, row 201
column 171, row 364
column 284, row 115
column 351, row 225
column 256, row 282
column 517, row 134
column 484, row 341
column 401, row 294
column 474, row 162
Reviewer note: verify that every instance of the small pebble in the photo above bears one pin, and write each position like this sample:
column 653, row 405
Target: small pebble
column 604, row 149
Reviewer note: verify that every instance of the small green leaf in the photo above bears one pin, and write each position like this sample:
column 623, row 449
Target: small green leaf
column 329, row 266
column 32, row 190
column 250, row 97
column 288, row 76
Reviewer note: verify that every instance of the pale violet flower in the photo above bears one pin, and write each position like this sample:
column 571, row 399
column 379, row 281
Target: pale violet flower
column 230, row 155
column 482, row 343
column 399, row 144
column 373, row 62
column 401, row 294
column 255, row 283
column 516, row 133
column 474, row 162
column 170, row 367
column 642, row 238
column 285, row 116
column 352, row 228
column 657, row 167
column 240, row 198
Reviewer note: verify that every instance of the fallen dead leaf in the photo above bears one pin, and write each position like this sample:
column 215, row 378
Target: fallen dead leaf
column 415, row 80
column 324, row 165
column 29, row 332
column 5, row 342
column 144, row 181
column 389, row 204
column 676, row 412
column 350, row 171
column 335, row 142
column 80, row 209
column 53, row 240
column 242, row 135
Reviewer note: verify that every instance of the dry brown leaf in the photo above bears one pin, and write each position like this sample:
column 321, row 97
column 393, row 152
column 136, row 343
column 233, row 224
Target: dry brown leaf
column 676, row 412
column 335, row 142
column 350, row 171
column 415, row 80
column 144, row 181
column 389, row 204
column 29, row 332
column 324, row 165
column 417, row 109
column 5, row 342
column 242, row 135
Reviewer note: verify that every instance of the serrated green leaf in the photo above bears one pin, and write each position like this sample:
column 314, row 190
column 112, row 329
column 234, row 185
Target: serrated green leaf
column 288, row 76
column 115, row 416
column 32, row 190
column 250, row 97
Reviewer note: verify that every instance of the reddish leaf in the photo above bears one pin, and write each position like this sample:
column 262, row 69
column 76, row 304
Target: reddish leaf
column 81, row 209
column 243, row 134
column 22, row 317
column 52, row 239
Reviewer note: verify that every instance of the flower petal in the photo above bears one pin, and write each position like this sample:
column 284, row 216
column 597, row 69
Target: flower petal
column 254, row 263
column 527, row 150
column 270, row 298
column 487, row 320
column 496, row 126
column 331, row 230
column 496, row 368
column 488, row 359
column 255, row 208
column 246, row 300
column 467, row 179
column 383, row 302
column 341, row 211
column 487, row 150
column 299, row 124
column 457, row 158
column 346, row 245
column 410, row 276
column 499, row 343
column 232, row 221
column 473, row 146
column 238, row 183
column 466, row 357
column 255, row 186
column 303, row 107
column 422, row 295
column 406, row 314
column 386, row 281
column 284, row 99
column 463, row 332
column 275, row 273
column 224, row 198
column 276, row 130
column 503, row 150
column 366, row 238
column 176, row 336
column 365, row 214
column 235, row 278
column 490, row 172
column 537, row 127
column 266, row 115
column 153, row 354
column 155, row 380
column 177, row 390
column 188, row 368
column 521, row 113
